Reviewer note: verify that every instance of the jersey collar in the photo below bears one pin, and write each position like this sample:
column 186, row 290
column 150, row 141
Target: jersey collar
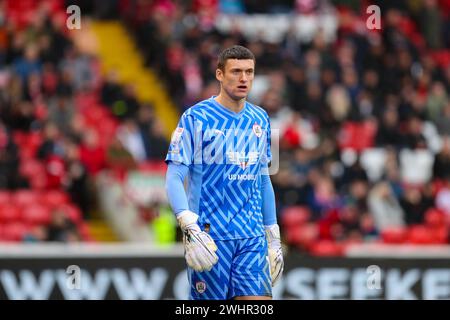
column 228, row 111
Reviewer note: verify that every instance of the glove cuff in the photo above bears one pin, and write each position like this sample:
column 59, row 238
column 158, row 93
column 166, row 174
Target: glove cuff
column 187, row 218
column 272, row 232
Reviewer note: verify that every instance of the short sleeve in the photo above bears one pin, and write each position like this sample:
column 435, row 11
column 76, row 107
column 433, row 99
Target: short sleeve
column 181, row 147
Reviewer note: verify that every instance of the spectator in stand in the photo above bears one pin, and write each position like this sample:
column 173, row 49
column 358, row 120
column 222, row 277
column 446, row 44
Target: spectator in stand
column 131, row 138
column 367, row 227
column 441, row 165
column 431, row 24
column 111, row 89
column 92, row 154
column 357, row 195
column 78, row 66
column 61, row 229
column 436, row 101
column 61, row 111
column 51, row 144
column 323, row 197
column 9, row 160
column 28, row 64
column 55, row 169
column 22, row 116
column 158, row 144
column 413, row 137
column 443, row 123
column 415, row 203
column 76, row 181
column 385, row 208
column 131, row 104
column 443, row 197
column 349, row 218
column 388, row 131
column 286, row 192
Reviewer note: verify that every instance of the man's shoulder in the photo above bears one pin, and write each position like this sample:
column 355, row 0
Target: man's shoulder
column 198, row 110
column 258, row 111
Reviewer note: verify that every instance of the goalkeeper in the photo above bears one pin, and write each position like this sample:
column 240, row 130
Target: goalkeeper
column 230, row 231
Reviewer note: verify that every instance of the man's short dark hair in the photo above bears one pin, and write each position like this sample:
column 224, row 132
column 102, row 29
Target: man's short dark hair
column 234, row 52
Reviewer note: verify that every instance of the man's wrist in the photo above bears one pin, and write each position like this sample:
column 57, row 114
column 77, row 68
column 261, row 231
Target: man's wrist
column 273, row 235
column 273, row 231
column 186, row 218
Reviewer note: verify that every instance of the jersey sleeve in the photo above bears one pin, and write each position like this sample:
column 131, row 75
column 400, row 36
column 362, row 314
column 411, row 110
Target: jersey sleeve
column 181, row 147
column 267, row 153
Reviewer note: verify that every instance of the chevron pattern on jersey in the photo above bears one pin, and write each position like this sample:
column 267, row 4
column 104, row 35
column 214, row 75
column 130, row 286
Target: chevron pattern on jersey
column 228, row 150
column 242, row 270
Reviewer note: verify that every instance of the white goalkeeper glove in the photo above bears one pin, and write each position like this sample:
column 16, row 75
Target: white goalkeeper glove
column 275, row 252
column 199, row 247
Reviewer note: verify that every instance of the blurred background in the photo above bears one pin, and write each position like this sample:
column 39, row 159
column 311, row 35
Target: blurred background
column 363, row 118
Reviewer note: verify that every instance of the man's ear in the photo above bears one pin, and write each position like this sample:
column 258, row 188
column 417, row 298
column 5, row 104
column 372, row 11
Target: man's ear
column 219, row 75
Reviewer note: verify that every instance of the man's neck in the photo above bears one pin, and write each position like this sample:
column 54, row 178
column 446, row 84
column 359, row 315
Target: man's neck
column 227, row 102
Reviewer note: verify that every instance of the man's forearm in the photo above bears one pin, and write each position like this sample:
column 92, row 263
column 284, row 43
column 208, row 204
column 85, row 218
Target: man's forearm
column 268, row 201
column 175, row 187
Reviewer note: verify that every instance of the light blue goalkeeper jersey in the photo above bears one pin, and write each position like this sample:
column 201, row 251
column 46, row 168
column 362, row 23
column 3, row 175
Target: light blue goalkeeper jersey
column 226, row 153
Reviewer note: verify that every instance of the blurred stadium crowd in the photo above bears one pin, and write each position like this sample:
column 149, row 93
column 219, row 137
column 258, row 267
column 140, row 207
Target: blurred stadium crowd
column 364, row 119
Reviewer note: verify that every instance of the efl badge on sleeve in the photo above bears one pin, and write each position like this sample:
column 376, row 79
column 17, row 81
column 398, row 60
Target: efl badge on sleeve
column 257, row 130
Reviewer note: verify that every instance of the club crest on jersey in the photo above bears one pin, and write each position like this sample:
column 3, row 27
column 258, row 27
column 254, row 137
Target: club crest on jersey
column 200, row 286
column 257, row 130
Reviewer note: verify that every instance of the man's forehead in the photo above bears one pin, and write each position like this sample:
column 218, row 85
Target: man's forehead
column 240, row 63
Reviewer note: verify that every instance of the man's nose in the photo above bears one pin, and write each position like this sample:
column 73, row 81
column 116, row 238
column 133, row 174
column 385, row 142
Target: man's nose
column 244, row 77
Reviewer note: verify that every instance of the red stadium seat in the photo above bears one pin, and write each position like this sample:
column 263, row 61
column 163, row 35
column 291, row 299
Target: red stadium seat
column 9, row 213
column 36, row 214
column 435, row 218
column 30, row 167
column 441, row 235
column 394, row 235
column 25, row 197
column 54, row 198
column 326, row 248
column 14, row 231
column 5, row 197
column 302, row 236
column 356, row 136
column 295, row 215
column 420, row 235
column 38, row 181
